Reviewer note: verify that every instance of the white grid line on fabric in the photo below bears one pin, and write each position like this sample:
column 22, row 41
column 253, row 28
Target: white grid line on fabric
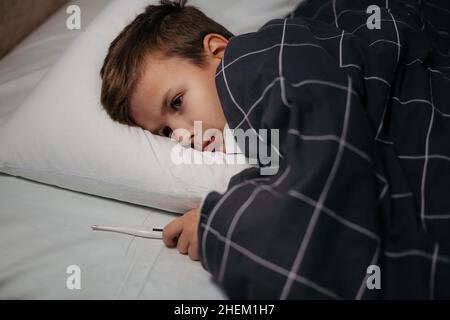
column 363, row 286
column 231, row 95
column 242, row 111
column 384, row 41
column 437, row 50
column 383, row 193
column 433, row 269
column 412, row 100
column 281, row 78
column 437, row 216
column 421, row 101
column 299, row 45
column 280, row 68
column 268, row 189
column 383, row 141
column 325, row 83
column 245, row 55
column 425, row 164
column 321, row 9
column 414, row 61
column 214, row 211
column 264, row 50
column 418, row 253
column 238, row 215
column 398, row 39
column 246, row 115
column 272, row 266
column 431, row 156
column 347, row 11
column 401, row 195
column 440, row 73
column 303, row 26
column 386, row 186
column 380, row 126
column 428, row 68
column 340, row 55
column 278, row 44
column 282, row 84
column 379, row 176
column 335, row 14
column 435, row 6
column 412, row 7
column 379, row 79
column 304, row 244
column 334, row 138
column 256, row 103
column 347, row 145
column 334, row 215
column 297, row 85
column 444, row 33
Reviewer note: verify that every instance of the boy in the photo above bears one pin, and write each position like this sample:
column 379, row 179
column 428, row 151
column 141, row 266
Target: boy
column 362, row 114
column 160, row 77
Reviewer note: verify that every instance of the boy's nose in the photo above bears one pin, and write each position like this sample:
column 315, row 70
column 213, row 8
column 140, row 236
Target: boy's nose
column 183, row 137
column 180, row 129
column 181, row 140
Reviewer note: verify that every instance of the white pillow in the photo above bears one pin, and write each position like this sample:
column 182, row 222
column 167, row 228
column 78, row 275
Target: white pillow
column 61, row 136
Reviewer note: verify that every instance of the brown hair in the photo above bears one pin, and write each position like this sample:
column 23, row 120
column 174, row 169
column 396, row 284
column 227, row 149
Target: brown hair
column 171, row 28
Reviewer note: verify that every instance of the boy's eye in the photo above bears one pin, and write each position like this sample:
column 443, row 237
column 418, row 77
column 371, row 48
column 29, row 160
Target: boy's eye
column 176, row 103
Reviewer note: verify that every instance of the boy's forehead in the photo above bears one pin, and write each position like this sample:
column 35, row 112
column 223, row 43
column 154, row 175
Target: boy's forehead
column 158, row 63
column 157, row 74
column 150, row 82
column 146, row 99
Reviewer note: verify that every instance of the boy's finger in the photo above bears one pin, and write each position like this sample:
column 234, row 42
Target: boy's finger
column 171, row 232
column 193, row 251
column 183, row 243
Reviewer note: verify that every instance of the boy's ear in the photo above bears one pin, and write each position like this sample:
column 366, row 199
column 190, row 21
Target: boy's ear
column 215, row 45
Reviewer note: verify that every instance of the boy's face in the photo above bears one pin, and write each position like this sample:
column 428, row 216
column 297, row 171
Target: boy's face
column 172, row 93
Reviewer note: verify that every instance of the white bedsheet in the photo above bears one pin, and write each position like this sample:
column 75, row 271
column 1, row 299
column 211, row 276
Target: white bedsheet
column 45, row 229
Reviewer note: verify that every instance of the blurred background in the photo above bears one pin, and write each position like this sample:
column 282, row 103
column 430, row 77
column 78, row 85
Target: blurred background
column 20, row 18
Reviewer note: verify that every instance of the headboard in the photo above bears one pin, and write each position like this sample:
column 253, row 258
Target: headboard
column 19, row 18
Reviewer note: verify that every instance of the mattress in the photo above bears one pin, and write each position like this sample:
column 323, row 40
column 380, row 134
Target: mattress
column 45, row 230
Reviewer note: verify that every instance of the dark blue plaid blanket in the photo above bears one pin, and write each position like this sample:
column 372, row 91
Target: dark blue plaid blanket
column 364, row 156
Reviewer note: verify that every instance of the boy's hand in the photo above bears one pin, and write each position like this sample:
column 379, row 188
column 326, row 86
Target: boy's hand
column 182, row 232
